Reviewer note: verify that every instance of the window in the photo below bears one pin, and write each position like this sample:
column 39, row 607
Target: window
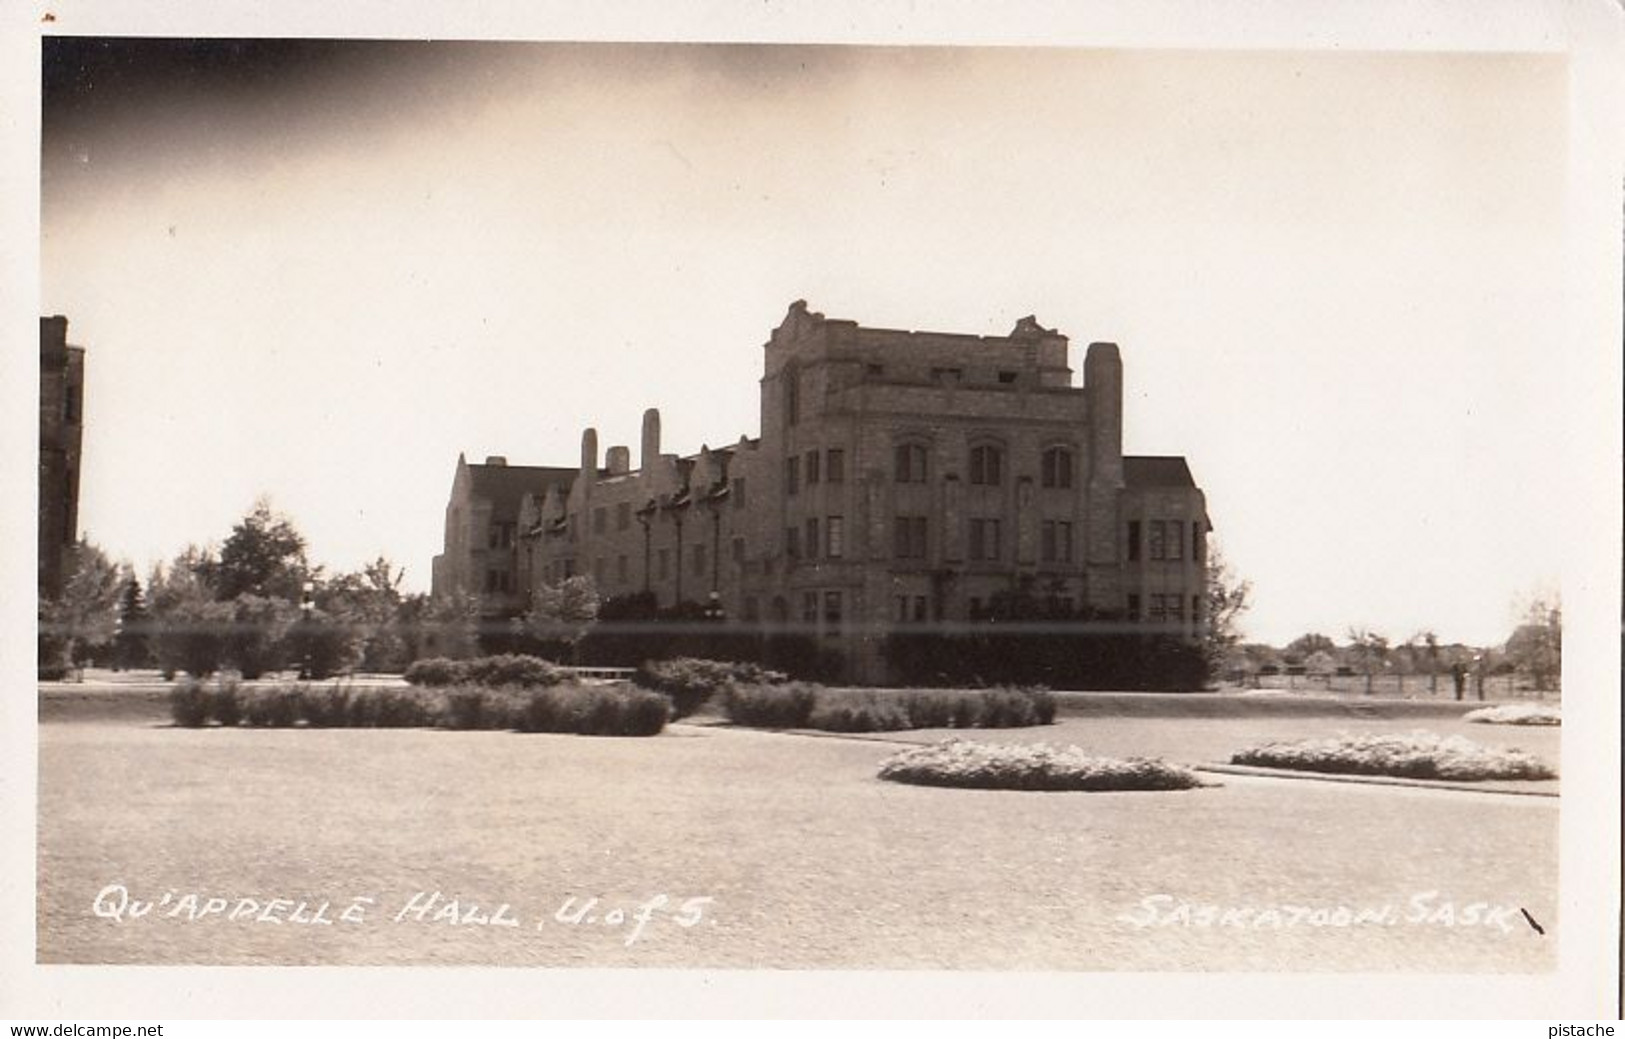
column 501, row 535
column 738, row 492
column 739, row 550
column 921, row 610
column 1154, row 542
column 902, row 609
column 1055, row 541
column 792, row 542
column 910, row 466
column 835, row 537
column 985, row 465
column 812, row 467
column 1176, row 539
column 908, row 540
column 831, row 612
column 1196, row 542
column 792, row 475
column 947, row 375
column 835, row 466
column 1196, row 609
column 874, row 369
column 1133, row 540
column 662, row 563
column 792, row 395
column 812, row 537
column 809, row 608
column 620, row 569
column 1133, row 607
column 1056, row 470
column 491, row 580
column 1007, row 377
column 984, row 539
column 697, row 554
column 623, row 515
column 1159, row 609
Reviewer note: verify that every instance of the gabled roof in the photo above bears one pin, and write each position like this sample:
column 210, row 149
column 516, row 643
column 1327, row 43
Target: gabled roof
column 1156, row 471
column 505, row 485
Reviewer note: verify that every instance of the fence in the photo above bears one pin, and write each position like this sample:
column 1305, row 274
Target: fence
column 1396, row 686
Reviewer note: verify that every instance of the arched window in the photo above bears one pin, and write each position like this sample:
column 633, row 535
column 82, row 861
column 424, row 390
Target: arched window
column 1056, row 470
column 910, row 463
column 986, row 465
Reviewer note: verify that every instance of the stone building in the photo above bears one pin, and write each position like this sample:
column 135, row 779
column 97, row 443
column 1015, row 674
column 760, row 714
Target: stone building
column 61, row 432
column 900, row 479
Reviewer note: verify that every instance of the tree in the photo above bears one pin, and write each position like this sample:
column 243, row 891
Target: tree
column 87, row 613
column 1370, row 651
column 131, row 648
column 189, row 627
column 264, row 556
column 1305, row 646
column 564, row 612
column 441, row 626
column 1227, row 599
column 369, row 602
column 1536, row 646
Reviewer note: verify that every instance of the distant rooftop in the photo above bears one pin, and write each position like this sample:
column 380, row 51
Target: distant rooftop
column 1156, row 471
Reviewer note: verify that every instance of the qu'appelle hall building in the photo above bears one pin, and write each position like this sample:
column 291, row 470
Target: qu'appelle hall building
column 901, row 478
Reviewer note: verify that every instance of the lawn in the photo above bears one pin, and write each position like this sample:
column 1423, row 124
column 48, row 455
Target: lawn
column 811, row 860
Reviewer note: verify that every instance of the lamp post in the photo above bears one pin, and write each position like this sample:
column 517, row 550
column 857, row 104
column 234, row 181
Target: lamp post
column 307, row 603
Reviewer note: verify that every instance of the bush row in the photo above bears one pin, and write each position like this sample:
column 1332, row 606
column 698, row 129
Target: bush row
column 689, row 681
column 506, row 669
column 802, row 706
column 1039, row 766
column 619, row 710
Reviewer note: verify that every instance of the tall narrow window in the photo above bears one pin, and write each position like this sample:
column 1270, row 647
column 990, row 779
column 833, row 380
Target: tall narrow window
column 812, row 467
column 835, row 466
column 792, row 542
column 737, row 491
column 792, row 475
column 834, row 537
column 1176, row 539
column 792, row 394
column 1196, row 541
column 1056, row 470
column 1133, row 540
column 812, row 537
column 910, row 463
column 1133, row 607
column 1155, row 543
column 832, row 612
column 986, row 465
column 984, row 539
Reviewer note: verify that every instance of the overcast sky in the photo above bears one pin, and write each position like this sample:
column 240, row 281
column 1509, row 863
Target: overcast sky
column 318, row 272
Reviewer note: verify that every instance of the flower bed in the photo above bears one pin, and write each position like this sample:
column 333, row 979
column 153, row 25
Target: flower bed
column 1417, row 755
column 1035, row 766
column 1516, row 714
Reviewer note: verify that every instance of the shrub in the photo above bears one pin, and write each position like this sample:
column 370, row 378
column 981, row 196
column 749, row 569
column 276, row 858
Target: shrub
column 1418, row 755
column 272, row 707
column 619, row 710
column 324, row 645
column 325, row 708
column 689, row 682
column 189, row 703
column 1516, row 714
column 437, row 671
column 385, row 708
column 770, row 706
column 935, row 709
column 1039, row 766
column 512, row 669
column 474, row 707
column 226, row 703
column 855, row 711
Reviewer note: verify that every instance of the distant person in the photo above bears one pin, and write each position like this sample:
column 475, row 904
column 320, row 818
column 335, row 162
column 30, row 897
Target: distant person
column 1458, row 674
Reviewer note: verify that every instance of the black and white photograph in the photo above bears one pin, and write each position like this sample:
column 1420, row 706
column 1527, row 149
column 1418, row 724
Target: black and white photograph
column 891, row 513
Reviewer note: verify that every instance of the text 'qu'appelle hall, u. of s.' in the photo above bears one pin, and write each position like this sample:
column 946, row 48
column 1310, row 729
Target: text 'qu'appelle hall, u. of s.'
column 901, row 479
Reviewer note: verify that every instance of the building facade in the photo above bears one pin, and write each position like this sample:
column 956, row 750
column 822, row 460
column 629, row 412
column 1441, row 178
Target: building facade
column 900, row 479
column 61, row 434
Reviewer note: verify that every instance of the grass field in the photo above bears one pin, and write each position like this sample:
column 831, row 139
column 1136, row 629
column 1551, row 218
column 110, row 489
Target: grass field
column 811, row 860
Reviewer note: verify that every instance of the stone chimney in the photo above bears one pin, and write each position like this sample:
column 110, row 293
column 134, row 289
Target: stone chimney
column 651, row 439
column 618, row 460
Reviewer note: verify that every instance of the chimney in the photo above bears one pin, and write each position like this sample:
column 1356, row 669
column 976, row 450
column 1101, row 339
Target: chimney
column 618, row 460
column 497, row 460
column 589, row 455
column 651, row 439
